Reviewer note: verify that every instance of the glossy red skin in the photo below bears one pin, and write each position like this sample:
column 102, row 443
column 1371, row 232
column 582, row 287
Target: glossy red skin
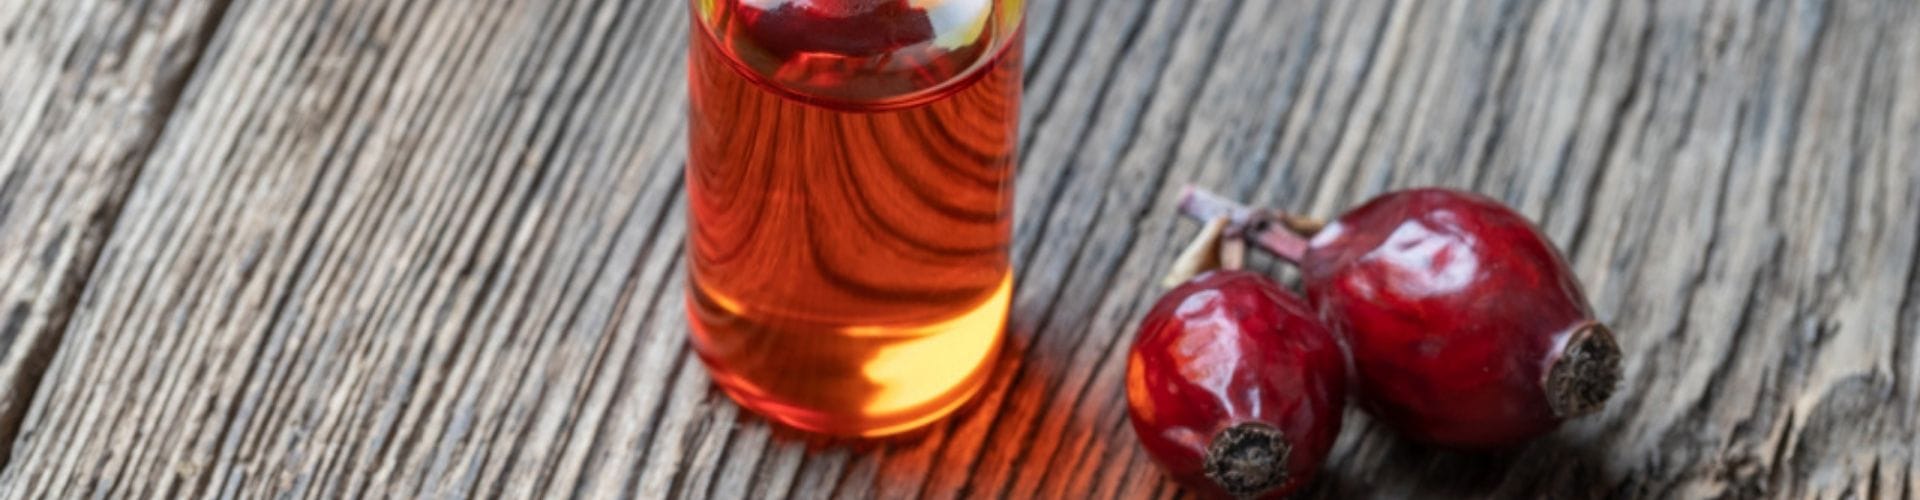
column 1453, row 307
column 1230, row 347
column 844, row 27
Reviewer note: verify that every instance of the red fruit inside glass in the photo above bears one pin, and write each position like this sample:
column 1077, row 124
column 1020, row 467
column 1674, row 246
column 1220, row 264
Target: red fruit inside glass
column 1466, row 327
column 1235, row 387
column 862, row 54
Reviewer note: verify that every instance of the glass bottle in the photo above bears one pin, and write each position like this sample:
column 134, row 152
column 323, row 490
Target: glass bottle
column 850, row 187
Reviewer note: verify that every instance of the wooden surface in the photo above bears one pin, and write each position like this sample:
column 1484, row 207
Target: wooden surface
column 347, row 248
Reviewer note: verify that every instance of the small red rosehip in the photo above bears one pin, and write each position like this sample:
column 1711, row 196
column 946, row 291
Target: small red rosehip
column 1235, row 387
column 1466, row 327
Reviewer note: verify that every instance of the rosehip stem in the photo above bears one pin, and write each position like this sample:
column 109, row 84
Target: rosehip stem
column 1282, row 234
column 1205, row 253
column 1203, row 205
column 1279, row 241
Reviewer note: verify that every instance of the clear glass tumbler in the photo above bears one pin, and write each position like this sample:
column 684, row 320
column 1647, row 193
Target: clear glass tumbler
column 850, row 186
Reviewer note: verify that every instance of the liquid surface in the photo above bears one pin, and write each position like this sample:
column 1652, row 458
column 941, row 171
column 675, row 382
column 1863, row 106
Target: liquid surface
column 861, row 55
column 848, row 249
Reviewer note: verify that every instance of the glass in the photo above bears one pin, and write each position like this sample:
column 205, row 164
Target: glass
column 850, row 187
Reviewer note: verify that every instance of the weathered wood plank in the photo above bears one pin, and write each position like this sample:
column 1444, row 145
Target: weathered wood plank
column 85, row 92
column 432, row 248
column 351, row 170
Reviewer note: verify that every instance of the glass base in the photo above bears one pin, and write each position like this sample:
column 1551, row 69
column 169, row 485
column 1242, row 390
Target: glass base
column 844, row 380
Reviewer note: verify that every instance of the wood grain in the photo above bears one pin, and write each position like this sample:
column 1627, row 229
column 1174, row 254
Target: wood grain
column 86, row 90
column 364, row 248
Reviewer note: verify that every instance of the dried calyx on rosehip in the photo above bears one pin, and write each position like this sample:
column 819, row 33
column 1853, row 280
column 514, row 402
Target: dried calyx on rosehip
column 1466, row 327
column 1233, row 384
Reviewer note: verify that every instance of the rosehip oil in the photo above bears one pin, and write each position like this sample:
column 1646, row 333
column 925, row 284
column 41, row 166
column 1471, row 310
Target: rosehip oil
column 849, row 181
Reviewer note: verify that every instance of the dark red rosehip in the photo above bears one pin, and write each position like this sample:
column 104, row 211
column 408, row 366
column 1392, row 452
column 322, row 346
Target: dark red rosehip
column 1466, row 327
column 855, row 28
column 1235, row 387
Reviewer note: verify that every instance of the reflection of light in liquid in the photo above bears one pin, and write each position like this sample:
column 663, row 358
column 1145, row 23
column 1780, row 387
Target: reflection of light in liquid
column 932, row 359
column 956, row 23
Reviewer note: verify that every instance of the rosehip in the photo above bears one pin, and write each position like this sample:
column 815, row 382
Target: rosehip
column 841, row 27
column 1466, row 327
column 1235, row 387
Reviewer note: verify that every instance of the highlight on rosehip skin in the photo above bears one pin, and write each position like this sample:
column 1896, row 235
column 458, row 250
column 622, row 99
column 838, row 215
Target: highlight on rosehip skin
column 1235, row 388
column 1466, row 327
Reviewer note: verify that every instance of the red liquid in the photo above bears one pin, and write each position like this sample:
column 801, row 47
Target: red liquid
column 850, row 183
